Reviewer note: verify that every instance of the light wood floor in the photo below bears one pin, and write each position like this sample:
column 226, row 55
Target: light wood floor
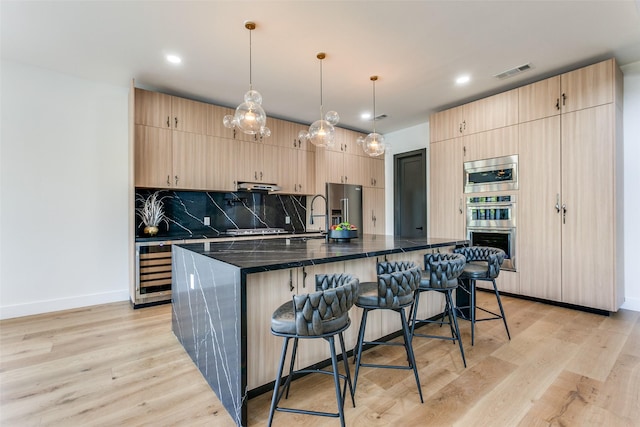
column 110, row 365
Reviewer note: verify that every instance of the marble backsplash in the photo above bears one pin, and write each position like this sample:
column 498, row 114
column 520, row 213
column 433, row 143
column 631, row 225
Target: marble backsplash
column 186, row 210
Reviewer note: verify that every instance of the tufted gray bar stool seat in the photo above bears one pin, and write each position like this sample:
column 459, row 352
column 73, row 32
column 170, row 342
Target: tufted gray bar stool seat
column 483, row 263
column 321, row 314
column 394, row 290
column 441, row 275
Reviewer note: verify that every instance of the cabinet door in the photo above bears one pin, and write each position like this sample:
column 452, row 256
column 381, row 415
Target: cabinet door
column 539, row 100
column 152, row 109
column 493, row 143
column 374, row 172
column 190, row 166
column 538, row 251
column 588, row 192
column 446, row 124
column 215, row 117
column 446, row 203
column 265, row 293
column 335, row 166
column 491, row 113
column 288, row 171
column 588, row 87
column 373, row 214
column 153, row 157
column 220, row 164
column 306, row 172
column 188, row 115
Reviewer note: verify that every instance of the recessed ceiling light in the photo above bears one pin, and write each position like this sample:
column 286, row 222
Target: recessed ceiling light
column 174, row 59
column 463, row 79
column 365, row 116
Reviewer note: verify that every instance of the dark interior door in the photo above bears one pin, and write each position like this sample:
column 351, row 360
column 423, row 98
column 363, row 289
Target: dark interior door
column 410, row 194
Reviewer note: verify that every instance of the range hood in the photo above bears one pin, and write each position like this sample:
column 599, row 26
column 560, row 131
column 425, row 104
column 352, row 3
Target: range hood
column 258, row 187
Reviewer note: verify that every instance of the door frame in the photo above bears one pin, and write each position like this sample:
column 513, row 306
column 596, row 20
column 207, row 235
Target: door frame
column 396, row 187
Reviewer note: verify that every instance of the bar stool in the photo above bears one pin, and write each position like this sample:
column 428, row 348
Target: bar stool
column 483, row 263
column 441, row 275
column 395, row 289
column 322, row 314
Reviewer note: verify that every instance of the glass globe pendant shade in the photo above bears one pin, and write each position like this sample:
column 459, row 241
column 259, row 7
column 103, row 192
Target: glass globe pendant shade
column 250, row 117
column 322, row 134
column 373, row 144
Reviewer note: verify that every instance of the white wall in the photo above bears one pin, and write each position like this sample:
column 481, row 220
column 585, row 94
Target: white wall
column 64, row 192
column 418, row 137
column 402, row 141
column 631, row 179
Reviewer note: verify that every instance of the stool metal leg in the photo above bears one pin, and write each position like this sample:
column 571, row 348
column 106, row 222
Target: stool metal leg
column 453, row 320
column 293, row 359
column 472, row 309
column 504, row 319
column 276, row 394
column 358, row 356
column 336, row 379
column 347, row 374
column 409, row 348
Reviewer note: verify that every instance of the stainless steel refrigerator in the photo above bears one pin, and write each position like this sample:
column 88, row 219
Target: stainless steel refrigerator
column 344, row 204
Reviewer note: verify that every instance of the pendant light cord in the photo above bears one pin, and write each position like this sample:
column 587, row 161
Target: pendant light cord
column 250, row 79
column 320, row 88
column 374, row 106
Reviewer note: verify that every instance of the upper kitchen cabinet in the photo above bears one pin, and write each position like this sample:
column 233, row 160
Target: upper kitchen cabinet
column 170, row 112
column 539, row 100
column 152, row 109
column 153, row 157
column 485, row 114
column 446, row 124
column 296, row 170
column 588, row 87
column 286, row 134
column 493, row 143
column 491, row 113
column 576, row 90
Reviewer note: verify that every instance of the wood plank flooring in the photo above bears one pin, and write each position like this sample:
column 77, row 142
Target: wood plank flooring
column 110, row 365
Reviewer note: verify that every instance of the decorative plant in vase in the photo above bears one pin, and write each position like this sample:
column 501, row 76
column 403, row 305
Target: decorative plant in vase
column 151, row 213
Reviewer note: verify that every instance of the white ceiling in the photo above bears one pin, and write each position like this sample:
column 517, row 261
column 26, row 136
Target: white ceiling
column 417, row 48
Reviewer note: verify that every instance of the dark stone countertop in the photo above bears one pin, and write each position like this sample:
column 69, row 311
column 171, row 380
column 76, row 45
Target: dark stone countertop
column 171, row 237
column 275, row 254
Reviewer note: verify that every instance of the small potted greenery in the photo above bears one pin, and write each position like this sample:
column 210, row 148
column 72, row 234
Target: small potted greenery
column 151, row 213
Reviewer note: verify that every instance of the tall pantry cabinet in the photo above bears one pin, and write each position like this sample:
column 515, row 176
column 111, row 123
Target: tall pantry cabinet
column 570, row 172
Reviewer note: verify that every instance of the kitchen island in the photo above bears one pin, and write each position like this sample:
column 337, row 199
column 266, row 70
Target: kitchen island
column 225, row 292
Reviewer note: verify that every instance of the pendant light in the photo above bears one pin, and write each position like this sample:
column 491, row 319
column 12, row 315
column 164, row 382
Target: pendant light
column 373, row 144
column 321, row 133
column 249, row 116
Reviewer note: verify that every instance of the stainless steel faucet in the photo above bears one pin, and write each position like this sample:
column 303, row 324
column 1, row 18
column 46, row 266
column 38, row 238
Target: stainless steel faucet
column 325, row 215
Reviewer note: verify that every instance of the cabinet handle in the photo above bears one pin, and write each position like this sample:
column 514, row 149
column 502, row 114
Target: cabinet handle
column 346, row 179
column 460, row 128
column 294, row 143
column 260, row 176
column 300, row 187
column 564, row 213
column 557, row 203
column 234, row 133
column 464, row 151
column 464, row 124
column 168, row 122
column 564, row 97
column 176, row 177
column 557, row 103
column 342, row 179
column 290, row 280
column 460, row 205
column 176, row 120
column 168, row 179
column 295, row 187
column 304, row 277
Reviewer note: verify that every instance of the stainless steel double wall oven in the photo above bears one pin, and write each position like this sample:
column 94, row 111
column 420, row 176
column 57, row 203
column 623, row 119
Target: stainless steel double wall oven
column 491, row 218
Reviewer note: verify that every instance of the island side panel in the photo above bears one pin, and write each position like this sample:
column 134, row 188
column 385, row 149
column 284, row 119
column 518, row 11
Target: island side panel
column 207, row 322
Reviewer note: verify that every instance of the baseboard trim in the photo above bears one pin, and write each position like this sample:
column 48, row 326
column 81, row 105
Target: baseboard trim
column 631, row 304
column 48, row 306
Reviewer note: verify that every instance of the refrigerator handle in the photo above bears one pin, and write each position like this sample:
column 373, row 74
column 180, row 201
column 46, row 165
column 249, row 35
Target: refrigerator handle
column 344, row 205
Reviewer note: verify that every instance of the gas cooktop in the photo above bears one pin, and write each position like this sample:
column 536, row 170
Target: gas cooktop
column 254, row 231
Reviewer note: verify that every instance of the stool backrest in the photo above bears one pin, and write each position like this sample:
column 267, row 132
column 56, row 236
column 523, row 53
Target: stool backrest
column 444, row 269
column 329, row 281
column 311, row 310
column 397, row 282
column 492, row 256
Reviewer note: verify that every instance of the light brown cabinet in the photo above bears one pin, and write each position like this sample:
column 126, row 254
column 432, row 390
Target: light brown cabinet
column 446, row 200
column 568, row 230
column 296, row 170
column 373, row 172
column 153, row 157
column 576, row 90
column 170, row 112
column 494, row 143
column 373, row 210
column 485, row 114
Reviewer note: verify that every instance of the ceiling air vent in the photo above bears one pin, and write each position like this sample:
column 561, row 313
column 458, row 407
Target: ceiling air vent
column 380, row 117
column 513, row 71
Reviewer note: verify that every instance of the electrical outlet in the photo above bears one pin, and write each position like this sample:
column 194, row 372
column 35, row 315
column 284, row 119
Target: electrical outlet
column 191, row 283
column 207, row 220
column 287, row 220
